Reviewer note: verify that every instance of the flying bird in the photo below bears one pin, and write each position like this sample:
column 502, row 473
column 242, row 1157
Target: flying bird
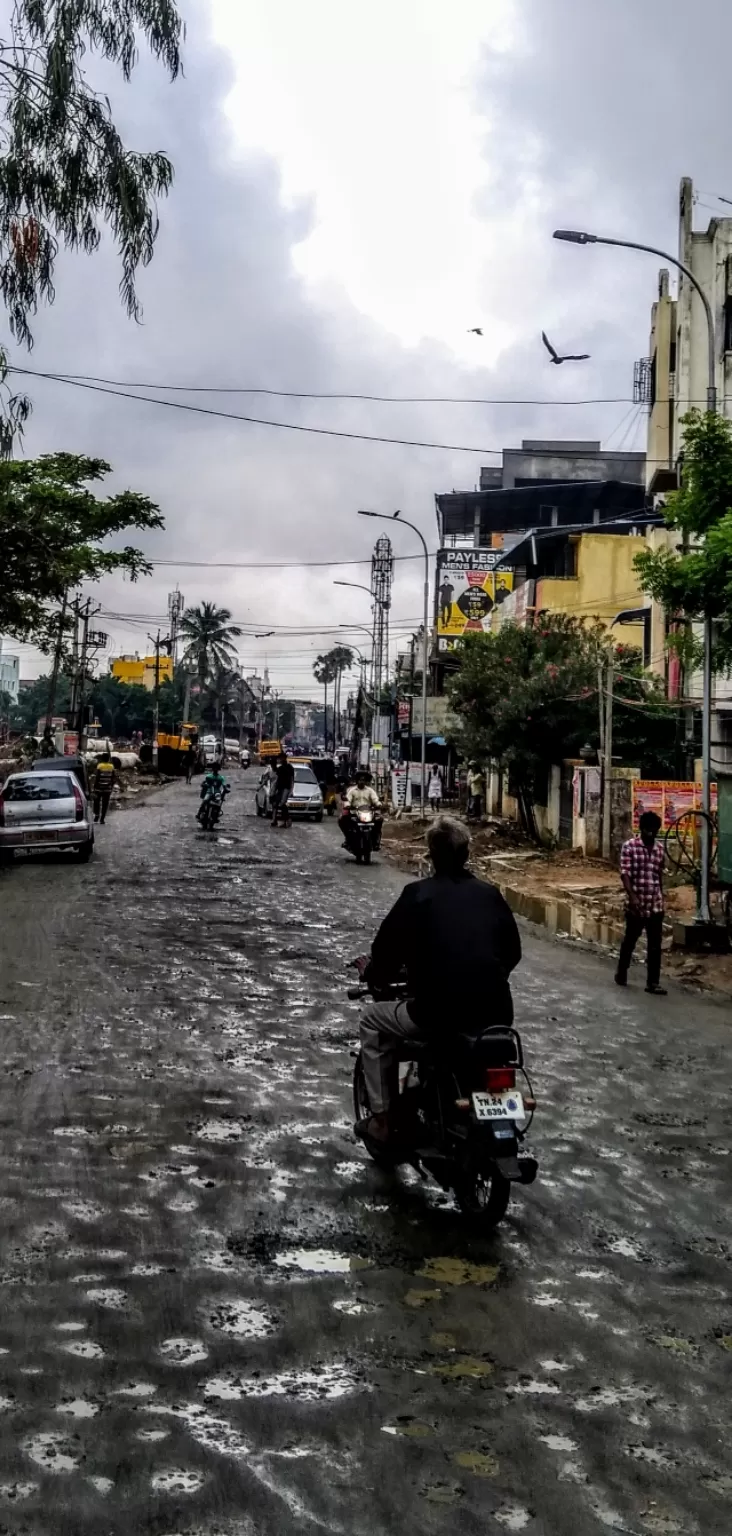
column 570, row 357
column 475, row 330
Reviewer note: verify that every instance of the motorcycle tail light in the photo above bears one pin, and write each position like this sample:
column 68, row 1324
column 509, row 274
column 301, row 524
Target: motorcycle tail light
column 498, row 1079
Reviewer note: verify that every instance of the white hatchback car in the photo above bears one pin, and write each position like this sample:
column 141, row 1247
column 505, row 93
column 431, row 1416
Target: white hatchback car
column 45, row 809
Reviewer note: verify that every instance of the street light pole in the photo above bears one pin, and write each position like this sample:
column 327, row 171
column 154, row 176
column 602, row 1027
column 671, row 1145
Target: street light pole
column 360, row 587
column 425, row 637
column 580, row 237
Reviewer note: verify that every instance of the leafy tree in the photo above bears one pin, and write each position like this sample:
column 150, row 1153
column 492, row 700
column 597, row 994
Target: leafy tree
column 693, row 584
column 209, row 635
column 51, row 528
column 528, row 698
column 65, row 172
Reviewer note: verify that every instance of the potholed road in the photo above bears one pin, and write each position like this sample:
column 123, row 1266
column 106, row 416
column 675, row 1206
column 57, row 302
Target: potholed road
column 217, row 1317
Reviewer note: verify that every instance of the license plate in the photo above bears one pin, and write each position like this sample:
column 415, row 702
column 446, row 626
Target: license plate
column 498, row 1106
column 41, row 837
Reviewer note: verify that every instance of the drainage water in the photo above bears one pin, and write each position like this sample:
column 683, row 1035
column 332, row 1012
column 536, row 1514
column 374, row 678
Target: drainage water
column 562, row 917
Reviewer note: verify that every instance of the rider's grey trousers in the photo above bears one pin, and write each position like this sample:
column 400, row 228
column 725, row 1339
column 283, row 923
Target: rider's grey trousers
column 383, row 1027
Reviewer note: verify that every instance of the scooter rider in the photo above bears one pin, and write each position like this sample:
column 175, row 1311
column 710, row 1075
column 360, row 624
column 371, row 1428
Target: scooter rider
column 361, row 794
column 214, row 784
column 457, row 940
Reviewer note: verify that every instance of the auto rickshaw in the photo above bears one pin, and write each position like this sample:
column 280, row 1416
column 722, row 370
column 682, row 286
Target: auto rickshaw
column 325, row 772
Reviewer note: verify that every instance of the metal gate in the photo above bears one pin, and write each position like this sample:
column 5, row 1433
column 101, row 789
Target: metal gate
column 566, row 805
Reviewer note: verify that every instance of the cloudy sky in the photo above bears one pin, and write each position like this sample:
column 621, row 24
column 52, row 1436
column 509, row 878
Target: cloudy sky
column 355, row 188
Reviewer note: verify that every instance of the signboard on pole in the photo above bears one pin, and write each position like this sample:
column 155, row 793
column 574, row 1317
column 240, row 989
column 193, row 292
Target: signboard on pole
column 470, row 584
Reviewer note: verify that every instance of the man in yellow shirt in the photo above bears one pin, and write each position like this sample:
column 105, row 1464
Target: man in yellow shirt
column 105, row 779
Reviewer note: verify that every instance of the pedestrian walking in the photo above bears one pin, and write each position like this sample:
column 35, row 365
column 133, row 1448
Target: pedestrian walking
column 190, row 763
column 105, row 779
column 434, row 790
column 475, row 793
column 641, row 871
column 283, row 786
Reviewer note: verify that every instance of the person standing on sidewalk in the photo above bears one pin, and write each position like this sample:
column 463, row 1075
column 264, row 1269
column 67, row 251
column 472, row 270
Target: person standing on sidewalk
column 641, row 871
column 105, row 779
column 434, row 791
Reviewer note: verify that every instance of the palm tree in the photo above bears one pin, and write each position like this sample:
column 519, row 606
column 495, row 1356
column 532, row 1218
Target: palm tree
column 208, row 633
column 325, row 672
column 342, row 660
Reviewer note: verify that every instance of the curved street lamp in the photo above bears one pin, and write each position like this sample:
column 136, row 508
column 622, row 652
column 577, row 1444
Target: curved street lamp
column 581, row 237
column 392, row 518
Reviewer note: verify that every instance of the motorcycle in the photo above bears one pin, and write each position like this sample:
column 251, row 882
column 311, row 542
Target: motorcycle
column 362, row 834
column 209, row 813
column 460, row 1116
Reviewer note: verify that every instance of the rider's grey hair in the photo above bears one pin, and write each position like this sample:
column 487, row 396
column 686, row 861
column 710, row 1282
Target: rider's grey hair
column 448, row 843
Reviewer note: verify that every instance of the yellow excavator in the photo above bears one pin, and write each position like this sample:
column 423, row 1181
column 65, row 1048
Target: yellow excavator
column 173, row 750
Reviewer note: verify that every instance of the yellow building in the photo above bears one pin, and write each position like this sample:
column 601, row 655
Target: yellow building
column 140, row 670
column 600, row 582
column 585, row 575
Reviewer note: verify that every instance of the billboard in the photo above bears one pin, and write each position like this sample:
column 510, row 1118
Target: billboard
column 470, row 584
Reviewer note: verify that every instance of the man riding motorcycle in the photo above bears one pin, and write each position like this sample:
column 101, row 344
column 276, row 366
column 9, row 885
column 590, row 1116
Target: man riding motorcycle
column 360, row 795
column 214, row 786
column 457, row 941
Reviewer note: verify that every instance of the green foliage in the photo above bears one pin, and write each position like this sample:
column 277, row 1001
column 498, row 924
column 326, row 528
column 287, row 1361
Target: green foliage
column 51, row 528
column 690, row 585
column 209, row 635
column 64, row 169
column 528, row 698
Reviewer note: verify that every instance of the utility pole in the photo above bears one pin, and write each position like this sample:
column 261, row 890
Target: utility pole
column 78, row 721
column 156, row 701
column 57, row 653
column 608, row 760
column 74, row 701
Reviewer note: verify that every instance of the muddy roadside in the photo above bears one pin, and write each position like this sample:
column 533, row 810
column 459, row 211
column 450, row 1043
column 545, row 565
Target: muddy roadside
column 570, row 895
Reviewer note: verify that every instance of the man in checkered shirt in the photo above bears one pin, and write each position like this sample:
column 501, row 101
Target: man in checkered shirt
column 641, row 871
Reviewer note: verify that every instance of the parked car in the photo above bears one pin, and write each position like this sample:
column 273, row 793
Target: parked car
column 42, row 809
column 307, row 797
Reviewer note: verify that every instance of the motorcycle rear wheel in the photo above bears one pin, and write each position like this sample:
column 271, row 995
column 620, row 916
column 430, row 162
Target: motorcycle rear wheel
column 485, row 1201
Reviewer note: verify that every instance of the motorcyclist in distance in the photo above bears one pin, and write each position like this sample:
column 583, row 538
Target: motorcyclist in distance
column 213, row 783
column 361, row 794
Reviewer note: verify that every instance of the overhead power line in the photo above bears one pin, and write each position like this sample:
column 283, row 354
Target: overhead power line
column 265, row 421
column 311, row 394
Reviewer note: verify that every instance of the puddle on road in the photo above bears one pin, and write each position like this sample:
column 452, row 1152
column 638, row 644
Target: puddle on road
column 220, row 1130
column 176, row 1480
column 240, row 1319
column 465, row 1368
column 458, row 1272
column 323, row 1383
column 562, row 918
column 480, row 1463
column 411, row 1429
column 51, row 1452
column 78, row 1408
column 110, row 1296
column 320, row 1261
column 83, row 1349
column 183, row 1351
column 16, row 1493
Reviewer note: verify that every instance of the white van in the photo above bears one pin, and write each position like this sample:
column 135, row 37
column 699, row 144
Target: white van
column 211, row 750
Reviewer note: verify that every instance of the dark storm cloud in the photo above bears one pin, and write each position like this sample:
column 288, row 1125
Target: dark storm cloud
column 587, row 124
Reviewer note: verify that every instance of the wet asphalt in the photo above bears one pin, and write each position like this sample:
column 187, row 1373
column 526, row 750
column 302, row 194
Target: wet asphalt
column 219, row 1319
